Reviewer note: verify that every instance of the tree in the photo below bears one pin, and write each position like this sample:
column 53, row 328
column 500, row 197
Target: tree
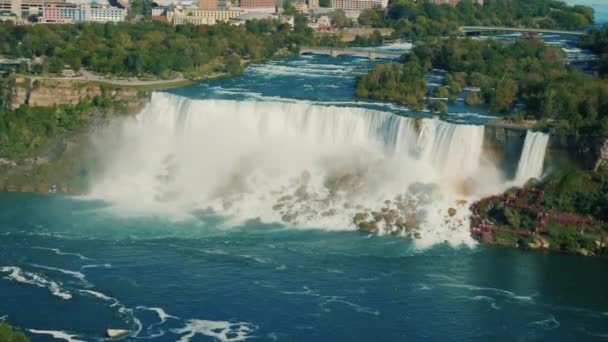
column 7, row 334
column 233, row 64
column 340, row 19
column 369, row 17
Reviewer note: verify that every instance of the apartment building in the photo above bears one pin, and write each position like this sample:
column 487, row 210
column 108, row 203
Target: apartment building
column 357, row 5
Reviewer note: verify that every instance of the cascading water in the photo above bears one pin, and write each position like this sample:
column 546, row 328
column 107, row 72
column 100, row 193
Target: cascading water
column 455, row 150
column 298, row 163
column 532, row 156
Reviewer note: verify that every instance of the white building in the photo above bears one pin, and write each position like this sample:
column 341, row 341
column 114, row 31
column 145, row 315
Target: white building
column 181, row 19
column 201, row 17
column 104, row 14
column 358, row 5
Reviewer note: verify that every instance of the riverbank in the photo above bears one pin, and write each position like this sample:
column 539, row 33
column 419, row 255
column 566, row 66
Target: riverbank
column 566, row 212
column 61, row 162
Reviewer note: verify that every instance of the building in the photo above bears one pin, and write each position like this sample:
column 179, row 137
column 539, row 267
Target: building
column 312, row 4
column 358, row 5
column 16, row 7
column 20, row 8
column 323, row 23
column 258, row 3
column 103, row 14
column 454, row 2
column 200, row 16
column 62, row 12
column 300, row 6
column 159, row 11
column 181, row 19
column 208, row 4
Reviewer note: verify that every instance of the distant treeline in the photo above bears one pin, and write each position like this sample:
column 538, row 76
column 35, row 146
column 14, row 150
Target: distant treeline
column 150, row 48
column 597, row 41
column 419, row 19
column 525, row 79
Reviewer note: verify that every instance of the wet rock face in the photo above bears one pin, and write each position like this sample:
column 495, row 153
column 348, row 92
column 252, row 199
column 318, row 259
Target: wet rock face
column 601, row 163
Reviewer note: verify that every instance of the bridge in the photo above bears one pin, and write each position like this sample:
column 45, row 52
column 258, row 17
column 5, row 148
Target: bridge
column 479, row 29
column 335, row 52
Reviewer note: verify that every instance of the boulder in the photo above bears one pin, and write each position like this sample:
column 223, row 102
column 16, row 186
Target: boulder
column 388, row 218
column 360, row 217
column 330, row 212
column 116, row 333
column 285, row 198
column 368, row 227
column 289, row 217
column 451, row 212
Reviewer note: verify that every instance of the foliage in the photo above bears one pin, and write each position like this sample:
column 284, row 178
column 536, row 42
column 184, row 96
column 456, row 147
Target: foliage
column 149, row 48
column 140, row 7
column 584, row 193
column 565, row 193
column 597, row 41
column 403, row 83
column 27, row 128
column 439, row 107
column 7, row 334
column 340, row 20
column 374, row 40
column 473, row 98
column 418, row 19
column 526, row 72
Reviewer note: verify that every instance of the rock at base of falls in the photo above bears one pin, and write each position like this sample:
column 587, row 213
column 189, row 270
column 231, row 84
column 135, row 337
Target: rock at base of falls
column 116, row 333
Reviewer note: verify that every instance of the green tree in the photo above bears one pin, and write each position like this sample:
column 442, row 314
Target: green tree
column 7, row 334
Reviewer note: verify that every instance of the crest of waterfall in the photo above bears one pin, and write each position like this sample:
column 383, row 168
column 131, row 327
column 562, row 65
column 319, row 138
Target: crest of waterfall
column 295, row 162
column 454, row 150
column 532, row 156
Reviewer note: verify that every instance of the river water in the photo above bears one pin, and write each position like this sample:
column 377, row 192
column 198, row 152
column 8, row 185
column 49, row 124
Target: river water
column 183, row 237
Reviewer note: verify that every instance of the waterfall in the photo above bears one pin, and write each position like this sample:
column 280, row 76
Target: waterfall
column 455, row 150
column 532, row 156
column 296, row 162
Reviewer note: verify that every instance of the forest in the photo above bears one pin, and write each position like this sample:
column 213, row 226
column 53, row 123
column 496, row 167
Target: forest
column 567, row 196
column 526, row 79
column 419, row 19
column 150, row 48
column 597, row 41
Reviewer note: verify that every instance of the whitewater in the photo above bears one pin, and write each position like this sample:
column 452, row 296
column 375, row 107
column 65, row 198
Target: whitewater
column 299, row 163
column 225, row 211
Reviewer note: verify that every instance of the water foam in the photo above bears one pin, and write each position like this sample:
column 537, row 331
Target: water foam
column 60, row 252
column 220, row 330
column 162, row 315
column 300, row 163
column 75, row 274
column 532, row 156
column 60, row 335
column 20, row 276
